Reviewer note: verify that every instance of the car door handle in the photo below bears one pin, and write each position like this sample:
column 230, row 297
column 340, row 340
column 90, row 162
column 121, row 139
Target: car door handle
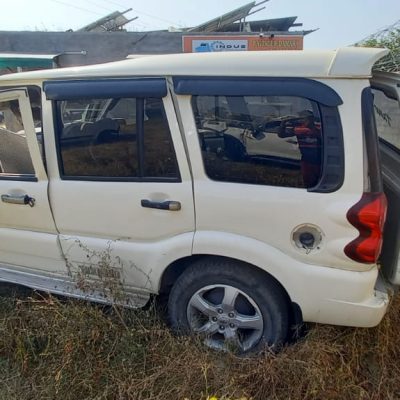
column 18, row 199
column 162, row 205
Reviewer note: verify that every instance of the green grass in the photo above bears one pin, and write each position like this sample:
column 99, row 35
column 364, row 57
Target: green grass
column 53, row 349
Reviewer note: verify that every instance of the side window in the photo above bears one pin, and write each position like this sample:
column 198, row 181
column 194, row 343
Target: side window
column 265, row 140
column 116, row 138
column 15, row 159
column 387, row 116
column 159, row 155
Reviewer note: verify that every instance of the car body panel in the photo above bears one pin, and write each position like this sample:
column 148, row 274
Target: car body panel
column 99, row 221
column 28, row 234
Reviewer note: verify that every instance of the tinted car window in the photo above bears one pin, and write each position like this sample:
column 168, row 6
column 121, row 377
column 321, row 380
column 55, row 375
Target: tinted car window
column 387, row 116
column 159, row 158
column 266, row 140
column 115, row 138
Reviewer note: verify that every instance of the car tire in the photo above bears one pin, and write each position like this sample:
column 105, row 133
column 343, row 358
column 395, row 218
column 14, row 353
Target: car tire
column 234, row 306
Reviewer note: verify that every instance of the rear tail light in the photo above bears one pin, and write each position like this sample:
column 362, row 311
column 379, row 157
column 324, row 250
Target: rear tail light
column 368, row 216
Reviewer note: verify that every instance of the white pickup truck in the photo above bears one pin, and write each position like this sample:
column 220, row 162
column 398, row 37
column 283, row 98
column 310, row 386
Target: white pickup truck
column 251, row 189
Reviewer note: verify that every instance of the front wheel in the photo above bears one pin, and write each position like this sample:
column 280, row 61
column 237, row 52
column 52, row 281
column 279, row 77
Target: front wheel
column 233, row 306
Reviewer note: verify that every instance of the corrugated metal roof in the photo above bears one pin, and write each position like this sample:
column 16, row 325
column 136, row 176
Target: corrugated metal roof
column 14, row 60
column 265, row 25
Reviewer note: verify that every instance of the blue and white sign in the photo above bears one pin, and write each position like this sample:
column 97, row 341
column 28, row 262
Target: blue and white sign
column 204, row 46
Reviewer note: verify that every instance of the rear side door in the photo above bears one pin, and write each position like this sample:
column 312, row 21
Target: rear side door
column 386, row 90
column 122, row 198
column 28, row 236
column 255, row 187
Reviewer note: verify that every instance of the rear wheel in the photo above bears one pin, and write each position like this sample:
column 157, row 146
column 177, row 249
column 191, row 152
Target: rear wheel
column 234, row 306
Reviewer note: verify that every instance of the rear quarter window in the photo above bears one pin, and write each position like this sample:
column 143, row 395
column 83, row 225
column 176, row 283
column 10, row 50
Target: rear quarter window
column 264, row 140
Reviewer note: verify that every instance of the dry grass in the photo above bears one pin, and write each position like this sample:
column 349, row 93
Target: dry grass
column 52, row 349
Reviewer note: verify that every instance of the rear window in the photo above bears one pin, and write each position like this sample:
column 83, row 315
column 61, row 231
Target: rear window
column 387, row 115
column 263, row 140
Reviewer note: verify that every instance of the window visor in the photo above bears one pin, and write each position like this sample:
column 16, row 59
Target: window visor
column 105, row 88
column 243, row 86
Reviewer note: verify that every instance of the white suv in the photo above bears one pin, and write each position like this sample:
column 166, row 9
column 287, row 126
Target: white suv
column 245, row 187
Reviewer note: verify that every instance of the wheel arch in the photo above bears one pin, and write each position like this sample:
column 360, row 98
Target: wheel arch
column 178, row 267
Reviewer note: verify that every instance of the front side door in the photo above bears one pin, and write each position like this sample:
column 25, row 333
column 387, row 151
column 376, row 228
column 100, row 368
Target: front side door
column 28, row 237
column 123, row 199
column 386, row 92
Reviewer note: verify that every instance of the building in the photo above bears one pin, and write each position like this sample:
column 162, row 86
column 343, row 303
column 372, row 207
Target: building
column 106, row 39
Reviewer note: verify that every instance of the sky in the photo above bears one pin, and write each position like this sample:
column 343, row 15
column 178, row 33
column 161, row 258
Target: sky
column 340, row 22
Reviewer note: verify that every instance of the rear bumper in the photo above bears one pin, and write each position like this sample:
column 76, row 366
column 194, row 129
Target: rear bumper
column 358, row 299
column 367, row 313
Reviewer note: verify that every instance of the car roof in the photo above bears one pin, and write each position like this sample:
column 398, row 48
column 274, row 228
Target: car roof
column 349, row 62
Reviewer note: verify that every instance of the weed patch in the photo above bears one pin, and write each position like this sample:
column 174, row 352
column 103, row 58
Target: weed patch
column 54, row 349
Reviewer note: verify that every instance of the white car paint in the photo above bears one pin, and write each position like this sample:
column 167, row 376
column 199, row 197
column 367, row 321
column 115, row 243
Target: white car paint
column 344, row 62
column 106, row 216
column 28, row 236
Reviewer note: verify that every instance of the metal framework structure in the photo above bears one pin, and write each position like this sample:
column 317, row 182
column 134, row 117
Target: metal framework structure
column 232, row 21
column 219, row 23
column 110, row 23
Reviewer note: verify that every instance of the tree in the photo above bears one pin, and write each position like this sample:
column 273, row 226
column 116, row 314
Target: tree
column 390, row 40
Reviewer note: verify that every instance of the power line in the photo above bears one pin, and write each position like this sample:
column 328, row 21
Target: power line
column 118, row 4
column 98, row 5
column 77, row 7
column 141, row 12
column 153, row 16
column 115, row 3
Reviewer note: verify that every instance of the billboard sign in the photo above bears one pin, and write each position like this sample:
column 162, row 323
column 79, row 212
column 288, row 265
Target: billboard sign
column 205, row 44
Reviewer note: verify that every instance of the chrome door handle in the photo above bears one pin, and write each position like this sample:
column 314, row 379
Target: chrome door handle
column 18, row 199
column 162, row 205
